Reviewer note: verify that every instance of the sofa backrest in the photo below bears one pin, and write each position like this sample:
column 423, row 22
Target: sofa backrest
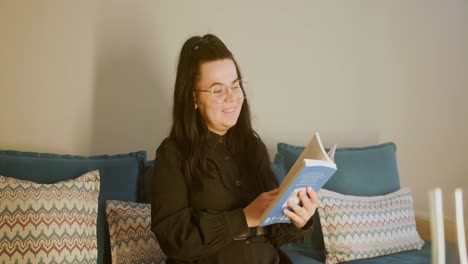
column 118, row 179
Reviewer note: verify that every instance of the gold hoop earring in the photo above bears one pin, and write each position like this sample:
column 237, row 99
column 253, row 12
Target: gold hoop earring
column 196, row 106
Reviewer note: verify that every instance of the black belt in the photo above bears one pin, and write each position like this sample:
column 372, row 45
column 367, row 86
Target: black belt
column 253, row 232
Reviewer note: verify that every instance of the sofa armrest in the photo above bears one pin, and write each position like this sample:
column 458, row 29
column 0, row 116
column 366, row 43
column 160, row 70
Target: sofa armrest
column 423, row 224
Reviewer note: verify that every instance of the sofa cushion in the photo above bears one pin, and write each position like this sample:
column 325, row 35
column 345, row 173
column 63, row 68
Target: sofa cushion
column 302, row 254
column 49, row 223
column 132, row 240
column 278, row 171
column 144, row 186
column 414, row 256
column 360, row 227
column 119, row 177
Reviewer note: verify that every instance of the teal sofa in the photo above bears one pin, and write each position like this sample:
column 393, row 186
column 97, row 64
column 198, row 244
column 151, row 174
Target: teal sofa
column 361, row 171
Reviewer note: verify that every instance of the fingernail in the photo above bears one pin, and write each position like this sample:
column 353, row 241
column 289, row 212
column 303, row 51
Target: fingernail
column 309, row 188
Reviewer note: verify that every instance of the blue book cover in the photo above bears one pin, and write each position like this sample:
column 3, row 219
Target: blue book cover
column 314, row 168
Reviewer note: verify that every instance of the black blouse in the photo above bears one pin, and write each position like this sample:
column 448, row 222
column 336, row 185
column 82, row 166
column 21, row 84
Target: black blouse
column 204, row 222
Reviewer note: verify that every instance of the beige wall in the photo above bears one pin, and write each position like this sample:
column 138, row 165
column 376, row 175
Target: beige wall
column 93, row 77
column 46, row 75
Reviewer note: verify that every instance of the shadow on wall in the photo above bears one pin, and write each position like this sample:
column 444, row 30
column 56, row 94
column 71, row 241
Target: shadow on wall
column 131, row 108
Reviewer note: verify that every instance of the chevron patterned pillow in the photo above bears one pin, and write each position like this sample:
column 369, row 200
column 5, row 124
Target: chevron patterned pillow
column 132, row 240
column 358, row 227
column 49, row 223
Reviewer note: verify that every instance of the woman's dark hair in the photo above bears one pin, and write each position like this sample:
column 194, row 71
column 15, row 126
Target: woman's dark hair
column 188, row 128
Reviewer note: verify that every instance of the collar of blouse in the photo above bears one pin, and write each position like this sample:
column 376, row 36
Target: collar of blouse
column 214, row 139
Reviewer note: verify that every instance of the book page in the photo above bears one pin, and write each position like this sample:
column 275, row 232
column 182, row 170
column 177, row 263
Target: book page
column 291, row 175
column 331, row 153
column 315, row 150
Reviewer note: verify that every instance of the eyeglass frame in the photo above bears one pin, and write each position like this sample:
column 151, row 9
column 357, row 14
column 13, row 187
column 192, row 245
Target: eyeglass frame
column 241, row 84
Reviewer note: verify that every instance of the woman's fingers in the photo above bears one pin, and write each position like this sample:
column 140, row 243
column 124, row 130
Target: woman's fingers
column 300, row 215
column 268, row 197
column 295, row 207
column 306, row 202
column 296, row 219
column 273, row 192
column 309, row 201
column 312, row 195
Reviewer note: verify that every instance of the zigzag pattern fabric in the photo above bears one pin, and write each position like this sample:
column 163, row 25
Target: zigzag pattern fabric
column 132, row 240
column 49, row 223
column 356, row 227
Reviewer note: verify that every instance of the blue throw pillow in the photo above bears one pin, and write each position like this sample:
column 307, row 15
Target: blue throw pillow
column 118, row 173
column 366, row 171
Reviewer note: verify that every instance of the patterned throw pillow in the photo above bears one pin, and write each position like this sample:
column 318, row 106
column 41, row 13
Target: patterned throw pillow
column 132, row 240
column 358, row 227
column 49, row 223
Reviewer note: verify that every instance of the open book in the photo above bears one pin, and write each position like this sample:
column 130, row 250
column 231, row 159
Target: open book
column 314, row 167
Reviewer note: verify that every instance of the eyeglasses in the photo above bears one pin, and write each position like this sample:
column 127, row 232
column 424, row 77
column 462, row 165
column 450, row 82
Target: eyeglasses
column 220, row 92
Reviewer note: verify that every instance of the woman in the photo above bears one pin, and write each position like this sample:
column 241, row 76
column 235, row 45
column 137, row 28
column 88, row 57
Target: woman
column 212, row 177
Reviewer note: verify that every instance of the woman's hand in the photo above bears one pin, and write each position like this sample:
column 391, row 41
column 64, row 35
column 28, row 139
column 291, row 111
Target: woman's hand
column 255, row 209
column 301, row 215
